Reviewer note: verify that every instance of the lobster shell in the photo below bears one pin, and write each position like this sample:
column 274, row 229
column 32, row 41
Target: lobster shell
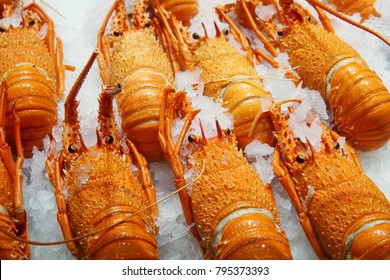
column 355, row 94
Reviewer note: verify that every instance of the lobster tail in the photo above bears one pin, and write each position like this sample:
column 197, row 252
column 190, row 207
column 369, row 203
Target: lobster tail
column 365, row 120
column 139, row 108
column 130, row 240
column 372, row 243
column 247, row 108
column 33, row 95
column 260, row 239
column 10, row 249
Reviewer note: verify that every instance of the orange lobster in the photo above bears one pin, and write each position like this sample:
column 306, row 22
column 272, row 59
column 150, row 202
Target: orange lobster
column 364, row 7
column 355, row 94
column 234, row 213
column 133, row 58
column 183, row 10
column 341, row 210
column 228, row 77
column 12, row 213
column 102, row 189
column 32, row 68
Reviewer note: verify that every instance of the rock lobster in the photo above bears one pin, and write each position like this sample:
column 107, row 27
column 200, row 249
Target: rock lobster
column 133, row 57
column 13, row 217
column 355, row 94
column 231, row 212
column 31, row 67
column 102, row 192
column 229, row 78
column 341, row 210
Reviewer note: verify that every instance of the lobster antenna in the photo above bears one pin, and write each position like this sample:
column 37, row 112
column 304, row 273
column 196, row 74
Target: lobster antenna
column 38, row 243
column 348, row 20
column 53, row 9
column 80, row 80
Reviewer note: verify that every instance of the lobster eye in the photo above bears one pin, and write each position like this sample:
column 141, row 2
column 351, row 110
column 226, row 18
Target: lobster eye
column 191, row 138
column 280, row 33
column 72, row 148
column 225, row 32
column 147, row 24
column 110, row 139
column 2, row 29
column 300, row 159
column 227, row 131
column 116, row 33
column 195, row 36
column 31, row 22
column 337, row 145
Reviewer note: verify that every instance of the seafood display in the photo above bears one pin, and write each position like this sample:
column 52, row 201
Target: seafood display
column 183, row 188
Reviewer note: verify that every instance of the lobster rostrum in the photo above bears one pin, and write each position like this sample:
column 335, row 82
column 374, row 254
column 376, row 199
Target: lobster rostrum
column 231, row 212
column 134, row 58
column 32, row 69
column 183, row 10
column 12, row 213
column 102, row 191
column 229, row 78
column 355, row 94
column 341, row 210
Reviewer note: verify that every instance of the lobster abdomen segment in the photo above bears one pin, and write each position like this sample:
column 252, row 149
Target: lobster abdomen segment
column 139, row 108
column 361, row 105
column 33, row 96
column 253, row 236
column 131, row 240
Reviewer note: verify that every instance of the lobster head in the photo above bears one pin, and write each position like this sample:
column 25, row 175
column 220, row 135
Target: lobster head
column 224, row 137
column 297, row 154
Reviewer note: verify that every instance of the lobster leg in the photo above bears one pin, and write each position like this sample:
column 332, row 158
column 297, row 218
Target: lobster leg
column 5, row 150
column 177, row 37
column 266, row 42
column 20, row 212
column 103, row 45
column 145, row 177
column 172, row 155
column 62, row 215
column 238, row 35
column 49, row 38
column 287, row 182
